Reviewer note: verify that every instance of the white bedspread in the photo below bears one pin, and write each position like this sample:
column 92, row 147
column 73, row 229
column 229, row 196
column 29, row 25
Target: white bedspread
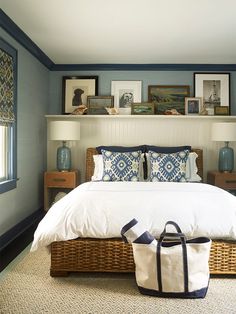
column 101, row 209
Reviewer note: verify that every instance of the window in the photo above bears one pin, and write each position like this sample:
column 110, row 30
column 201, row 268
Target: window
column 8, row 64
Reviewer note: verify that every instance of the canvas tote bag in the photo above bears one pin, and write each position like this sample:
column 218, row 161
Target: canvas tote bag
column 176, row 267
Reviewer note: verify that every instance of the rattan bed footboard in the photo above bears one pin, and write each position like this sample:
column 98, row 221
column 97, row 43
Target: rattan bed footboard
column 112, row 255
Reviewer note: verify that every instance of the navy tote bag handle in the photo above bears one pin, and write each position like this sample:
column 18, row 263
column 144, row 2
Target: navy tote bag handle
column 182, row 239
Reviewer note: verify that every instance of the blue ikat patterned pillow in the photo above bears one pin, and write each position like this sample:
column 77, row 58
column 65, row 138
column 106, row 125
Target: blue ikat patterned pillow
column 168, row 167
column 121, row 166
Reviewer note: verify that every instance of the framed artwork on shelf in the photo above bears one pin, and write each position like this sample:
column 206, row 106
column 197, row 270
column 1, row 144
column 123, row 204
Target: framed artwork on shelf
column 221, row 110
column 75, row 90
column 143, row 108
column 168, row 99
column 98, row 104
column 214, row 88
column 125, row 93
column 193, row 105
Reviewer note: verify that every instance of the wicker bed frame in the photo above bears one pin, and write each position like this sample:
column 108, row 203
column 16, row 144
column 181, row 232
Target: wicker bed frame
column 112, row 255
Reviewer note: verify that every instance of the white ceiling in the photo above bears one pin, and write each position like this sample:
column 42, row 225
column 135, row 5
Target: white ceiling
column 129, row 31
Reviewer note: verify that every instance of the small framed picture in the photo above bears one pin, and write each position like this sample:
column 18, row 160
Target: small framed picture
column 221, row 110
column 75, row 90
column 143, row 108
column 193, row 106
column 98, row 104
column 125, row 93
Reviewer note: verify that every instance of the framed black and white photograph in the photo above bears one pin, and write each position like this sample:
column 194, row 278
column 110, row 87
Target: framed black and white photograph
column 125, row 93
column 75, row 90
column 98, row 104
column 214, row 88
column 193, row 105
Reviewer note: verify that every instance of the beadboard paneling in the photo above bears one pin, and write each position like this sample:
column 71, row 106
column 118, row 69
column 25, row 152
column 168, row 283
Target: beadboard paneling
column 130, row 130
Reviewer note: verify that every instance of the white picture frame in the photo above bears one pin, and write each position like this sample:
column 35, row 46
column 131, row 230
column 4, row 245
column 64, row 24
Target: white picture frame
column 193, row 105
column 125, row 93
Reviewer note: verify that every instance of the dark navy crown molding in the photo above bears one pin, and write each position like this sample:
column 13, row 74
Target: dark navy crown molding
column 144, row 67
column 11, row 28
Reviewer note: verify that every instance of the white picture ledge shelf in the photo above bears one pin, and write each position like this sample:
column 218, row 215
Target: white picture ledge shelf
column 184, row 117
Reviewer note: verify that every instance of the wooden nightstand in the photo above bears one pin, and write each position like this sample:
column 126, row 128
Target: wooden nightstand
column 55, row 181
column 224, row 180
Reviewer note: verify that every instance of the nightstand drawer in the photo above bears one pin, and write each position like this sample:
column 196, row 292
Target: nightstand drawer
column 226, row 183
column 61, row 179
column 223, row 180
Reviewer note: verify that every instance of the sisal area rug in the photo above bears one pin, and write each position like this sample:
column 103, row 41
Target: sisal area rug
column 26, row 287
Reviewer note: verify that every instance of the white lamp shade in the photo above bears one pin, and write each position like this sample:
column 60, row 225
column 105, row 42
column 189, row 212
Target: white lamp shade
column 64, row 130
column 223, row 131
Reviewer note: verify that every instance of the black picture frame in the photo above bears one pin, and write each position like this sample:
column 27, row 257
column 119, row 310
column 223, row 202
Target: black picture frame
column 85, row 86
column 214, row 88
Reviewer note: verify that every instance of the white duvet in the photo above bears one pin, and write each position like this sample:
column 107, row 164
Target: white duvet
column 101, row 209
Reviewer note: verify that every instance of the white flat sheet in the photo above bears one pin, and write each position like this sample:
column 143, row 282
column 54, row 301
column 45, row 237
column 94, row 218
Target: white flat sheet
column 101, row 209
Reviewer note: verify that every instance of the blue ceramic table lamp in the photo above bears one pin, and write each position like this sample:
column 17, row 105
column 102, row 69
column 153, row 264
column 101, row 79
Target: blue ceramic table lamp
column 226, row 132
column 64, row 131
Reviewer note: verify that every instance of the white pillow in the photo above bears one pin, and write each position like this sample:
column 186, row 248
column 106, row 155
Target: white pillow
column 191, row 168
column 98, row 168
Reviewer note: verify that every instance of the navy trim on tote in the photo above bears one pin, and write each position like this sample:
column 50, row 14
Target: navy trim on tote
column 128, row 226
column 201, row 293
column 145, row 238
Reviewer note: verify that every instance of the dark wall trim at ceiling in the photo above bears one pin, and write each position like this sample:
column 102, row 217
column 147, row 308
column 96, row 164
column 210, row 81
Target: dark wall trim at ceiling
column 144, row 67
column 15, row 240
column 11, row 28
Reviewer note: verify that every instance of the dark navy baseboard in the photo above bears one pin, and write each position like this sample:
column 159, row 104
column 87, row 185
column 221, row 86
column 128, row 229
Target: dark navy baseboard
column 11, row 28
column 15, row 240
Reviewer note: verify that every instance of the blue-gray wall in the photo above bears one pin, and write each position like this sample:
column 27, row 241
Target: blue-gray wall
column 32, row 105
column 147, row 78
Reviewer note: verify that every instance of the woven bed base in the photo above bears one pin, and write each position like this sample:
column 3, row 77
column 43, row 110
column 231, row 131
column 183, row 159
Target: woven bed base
column 112, row 255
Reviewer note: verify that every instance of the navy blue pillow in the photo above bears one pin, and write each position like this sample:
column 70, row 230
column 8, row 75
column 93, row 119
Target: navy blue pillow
column 167, row 149
column 121, row 149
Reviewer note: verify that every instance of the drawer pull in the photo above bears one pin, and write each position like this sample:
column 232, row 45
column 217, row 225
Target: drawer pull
column 230, row 181
column 59, row 180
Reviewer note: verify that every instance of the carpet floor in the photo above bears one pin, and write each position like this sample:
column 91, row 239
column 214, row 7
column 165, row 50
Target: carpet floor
column 28, row 288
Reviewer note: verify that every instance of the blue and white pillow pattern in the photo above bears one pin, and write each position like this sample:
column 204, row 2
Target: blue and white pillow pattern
column 121, row 166
column 168, row 167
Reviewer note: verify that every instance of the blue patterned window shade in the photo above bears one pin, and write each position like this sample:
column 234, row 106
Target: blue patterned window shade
column 7, row 88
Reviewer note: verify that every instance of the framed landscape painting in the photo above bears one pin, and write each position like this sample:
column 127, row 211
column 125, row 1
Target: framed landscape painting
column 98, row 104
column 168, row 99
